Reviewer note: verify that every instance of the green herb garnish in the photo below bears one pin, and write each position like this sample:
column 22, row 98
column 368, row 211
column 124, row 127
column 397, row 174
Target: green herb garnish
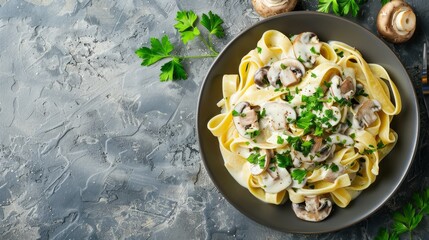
column 187, row 27
column 299, row 174
column 408, row 218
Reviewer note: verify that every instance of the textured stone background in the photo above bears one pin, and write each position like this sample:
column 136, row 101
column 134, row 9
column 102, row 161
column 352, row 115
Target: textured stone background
column 93, row 146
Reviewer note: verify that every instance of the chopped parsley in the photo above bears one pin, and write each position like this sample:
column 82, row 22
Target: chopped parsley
column 262, row 113
column 318, row 131
column 256, row 158
column 342, row 101
column 283, row 160
column 313, row 75
column 339, row 53
column 380, row 145
column 361, row 92
column 300, row 59
column 334, row 167
column 259, row 50
column 299, row 174
column 327, row 84
column 237, row 114
column 299, row 145
column 253, row 133
column 280, row 140
column 372, row 148
column 306, row 121
column 313, row 50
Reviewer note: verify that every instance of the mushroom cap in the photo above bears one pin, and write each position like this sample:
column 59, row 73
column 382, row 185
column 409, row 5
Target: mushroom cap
column 260, row 78
column 396, row 21
column 365, row 114
column 287, row 70
column 246, row 120
column 277, row 180
column 314, row 209
column 267, row 8
column 306, row 47
column 255, row 169
column 278, row 114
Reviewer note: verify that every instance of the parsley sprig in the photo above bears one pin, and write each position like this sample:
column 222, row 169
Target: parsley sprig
column 187, row 27
column 408, row 218
column 341, row 7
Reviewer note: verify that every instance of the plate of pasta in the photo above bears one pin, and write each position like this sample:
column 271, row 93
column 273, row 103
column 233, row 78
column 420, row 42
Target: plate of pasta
column 307, row 122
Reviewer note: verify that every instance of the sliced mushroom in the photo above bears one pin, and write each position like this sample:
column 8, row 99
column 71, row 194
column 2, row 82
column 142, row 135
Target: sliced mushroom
column 314, row 208
column 337, row 138
column 277, row 115
column 341, row 128
column 267, row 8
column 335, row 87
column 307, row 48
column 342, row 88
column 396, row 21
column 347, row 88
column 285, row 72
column 276, row 179
column 319, row 153
column 322, row 153
column 365, row 114
column 256, row 169
column 261, row 79
column 245, row 119
column 333, row 119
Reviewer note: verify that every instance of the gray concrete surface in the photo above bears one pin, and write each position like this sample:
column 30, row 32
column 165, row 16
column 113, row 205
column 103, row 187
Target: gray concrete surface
column 93, row 146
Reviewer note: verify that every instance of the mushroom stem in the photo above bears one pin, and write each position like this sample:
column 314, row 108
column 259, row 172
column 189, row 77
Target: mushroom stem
column 405, row 20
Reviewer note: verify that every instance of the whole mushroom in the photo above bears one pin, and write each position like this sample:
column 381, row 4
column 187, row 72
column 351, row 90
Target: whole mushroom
column 396, row 21
column 267, row 8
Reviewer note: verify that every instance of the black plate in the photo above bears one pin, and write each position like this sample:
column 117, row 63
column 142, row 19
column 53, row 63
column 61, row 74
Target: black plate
column 392, row 169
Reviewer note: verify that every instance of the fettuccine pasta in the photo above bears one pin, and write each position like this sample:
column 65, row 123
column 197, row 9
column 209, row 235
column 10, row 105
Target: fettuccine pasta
column 305, row 121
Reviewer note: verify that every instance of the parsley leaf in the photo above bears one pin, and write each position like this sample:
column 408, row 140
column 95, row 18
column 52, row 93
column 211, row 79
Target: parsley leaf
column 213, row 23
column 185, row 25
column 173, row 70
column 157, row 51
column 313, row 50
column 299, row 145
column 341, row 7
column 326, row 5
column 299, row 174
column 253, row 133
column 256, row 158
column 408, row 218
column 349, row 6
column 306, row 121
column 284, row 160
column 334, row 167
